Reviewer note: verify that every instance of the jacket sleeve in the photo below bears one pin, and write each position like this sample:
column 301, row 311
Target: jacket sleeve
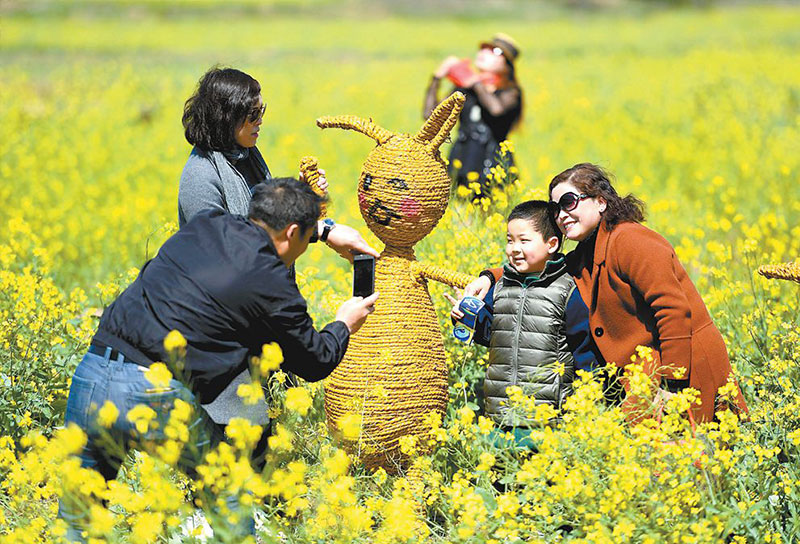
column 483, row 322
column 579, row 339
column 493, row 274
column 199, row 189
column 307, row 353
column 497, row 105
column 645, row 260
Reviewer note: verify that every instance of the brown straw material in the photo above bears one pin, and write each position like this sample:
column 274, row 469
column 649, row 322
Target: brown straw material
column 395, row 371
column 309, row 167
column 788, row 271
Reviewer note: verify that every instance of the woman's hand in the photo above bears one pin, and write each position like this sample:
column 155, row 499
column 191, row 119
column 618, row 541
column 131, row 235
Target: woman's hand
column 346, row 241
column 445, row 66
column 322, row 181
column 471, row 81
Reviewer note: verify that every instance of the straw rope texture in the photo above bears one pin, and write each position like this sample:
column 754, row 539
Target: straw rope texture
column 309, row 167
column 395, row 371
column 788, row 271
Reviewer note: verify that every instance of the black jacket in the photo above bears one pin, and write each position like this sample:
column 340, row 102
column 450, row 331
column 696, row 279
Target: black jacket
column 220, row 283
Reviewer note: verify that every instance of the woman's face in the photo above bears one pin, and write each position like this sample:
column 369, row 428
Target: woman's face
column 491, row 59
column 580, row 222
column 247, row 133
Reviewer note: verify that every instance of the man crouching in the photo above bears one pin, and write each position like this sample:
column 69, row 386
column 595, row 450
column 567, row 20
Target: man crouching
column 226, row 283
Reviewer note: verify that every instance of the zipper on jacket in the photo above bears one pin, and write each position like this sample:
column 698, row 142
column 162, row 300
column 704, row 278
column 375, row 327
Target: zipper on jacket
column 515, row 379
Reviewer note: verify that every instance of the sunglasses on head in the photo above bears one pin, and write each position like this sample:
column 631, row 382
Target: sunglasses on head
column 567, row 202
column 256, row 113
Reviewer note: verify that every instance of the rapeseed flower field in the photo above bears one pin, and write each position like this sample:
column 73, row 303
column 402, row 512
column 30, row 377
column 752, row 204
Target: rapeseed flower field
column 697, row 113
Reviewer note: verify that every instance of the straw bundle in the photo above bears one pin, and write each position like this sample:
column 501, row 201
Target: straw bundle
column 309, row 167
column 788, row 271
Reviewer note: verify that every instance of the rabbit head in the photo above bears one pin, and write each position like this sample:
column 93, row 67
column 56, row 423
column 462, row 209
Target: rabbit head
column 404, row 187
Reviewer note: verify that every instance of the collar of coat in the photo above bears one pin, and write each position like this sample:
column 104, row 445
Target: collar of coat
column 602, row 234
column 553, row 268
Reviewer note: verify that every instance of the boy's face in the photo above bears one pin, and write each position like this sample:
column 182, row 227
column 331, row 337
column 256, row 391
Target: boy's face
column 526, row 249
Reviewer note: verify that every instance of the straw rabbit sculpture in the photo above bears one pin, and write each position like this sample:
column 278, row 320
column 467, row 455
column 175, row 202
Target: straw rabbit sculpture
column 395, row 372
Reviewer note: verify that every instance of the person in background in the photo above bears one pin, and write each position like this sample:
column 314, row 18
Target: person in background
column 222, row 120
column 494, row 106
column 224, row 282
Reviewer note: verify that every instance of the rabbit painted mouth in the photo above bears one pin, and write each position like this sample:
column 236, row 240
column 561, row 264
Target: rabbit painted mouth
column 380, row 213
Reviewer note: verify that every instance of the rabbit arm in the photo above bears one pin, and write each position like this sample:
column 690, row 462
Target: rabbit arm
column 442, row 275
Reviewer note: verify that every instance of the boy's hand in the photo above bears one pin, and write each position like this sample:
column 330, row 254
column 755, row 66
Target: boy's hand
column 478, row 287
column 455, row 313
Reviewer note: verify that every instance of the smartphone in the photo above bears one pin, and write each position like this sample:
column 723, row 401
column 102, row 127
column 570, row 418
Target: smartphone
column 363, row 275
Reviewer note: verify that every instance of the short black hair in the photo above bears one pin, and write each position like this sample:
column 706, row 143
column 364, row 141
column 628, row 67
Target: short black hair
column 280, row 202
column 223, row 99
column 539, row 214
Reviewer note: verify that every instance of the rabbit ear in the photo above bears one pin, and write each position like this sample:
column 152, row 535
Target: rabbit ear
column 438, row 126
column 364, row 126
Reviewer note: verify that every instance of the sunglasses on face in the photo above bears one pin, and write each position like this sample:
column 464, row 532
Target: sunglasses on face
column 495, row 50
column 567, row 202
column 256, row 113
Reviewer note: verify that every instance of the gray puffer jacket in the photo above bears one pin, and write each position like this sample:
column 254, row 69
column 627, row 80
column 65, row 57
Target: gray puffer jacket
column 528, row 341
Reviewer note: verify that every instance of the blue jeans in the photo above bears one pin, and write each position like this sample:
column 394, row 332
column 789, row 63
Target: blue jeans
column 98, row 379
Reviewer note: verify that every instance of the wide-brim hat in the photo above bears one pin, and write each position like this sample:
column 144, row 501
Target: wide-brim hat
column 506, row 44
column 787, row 271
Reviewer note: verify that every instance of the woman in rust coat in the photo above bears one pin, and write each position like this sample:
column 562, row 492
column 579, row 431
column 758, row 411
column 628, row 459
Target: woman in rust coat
column 637, row 292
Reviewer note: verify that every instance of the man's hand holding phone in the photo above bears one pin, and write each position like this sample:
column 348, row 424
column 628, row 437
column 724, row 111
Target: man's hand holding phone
column 354, row 312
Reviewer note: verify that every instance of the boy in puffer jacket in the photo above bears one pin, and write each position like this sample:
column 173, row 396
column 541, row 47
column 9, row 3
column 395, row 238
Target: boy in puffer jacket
column 536, row 326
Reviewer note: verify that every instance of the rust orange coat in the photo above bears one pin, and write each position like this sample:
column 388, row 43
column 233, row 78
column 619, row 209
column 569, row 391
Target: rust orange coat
column 639, row 294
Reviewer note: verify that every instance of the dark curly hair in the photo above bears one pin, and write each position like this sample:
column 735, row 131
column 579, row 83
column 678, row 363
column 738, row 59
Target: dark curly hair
column 223, row 99
column 595, row 181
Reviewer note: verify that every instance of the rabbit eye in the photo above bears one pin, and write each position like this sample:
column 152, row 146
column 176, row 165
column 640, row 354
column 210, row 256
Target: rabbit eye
column 398, row 183
column 367, row 182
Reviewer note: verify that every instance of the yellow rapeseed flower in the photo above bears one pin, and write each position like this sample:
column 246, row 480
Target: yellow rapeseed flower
column 159, row 375
column 251, row 392
column 107, row 414
column 141, row 416
column 298, row 400
column 350, row 425
column 271, row 358
column 174, row 341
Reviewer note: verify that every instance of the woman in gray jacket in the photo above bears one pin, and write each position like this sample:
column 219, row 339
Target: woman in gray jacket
column 222, row 120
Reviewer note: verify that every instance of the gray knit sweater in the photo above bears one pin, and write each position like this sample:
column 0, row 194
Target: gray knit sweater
column 209, row 180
